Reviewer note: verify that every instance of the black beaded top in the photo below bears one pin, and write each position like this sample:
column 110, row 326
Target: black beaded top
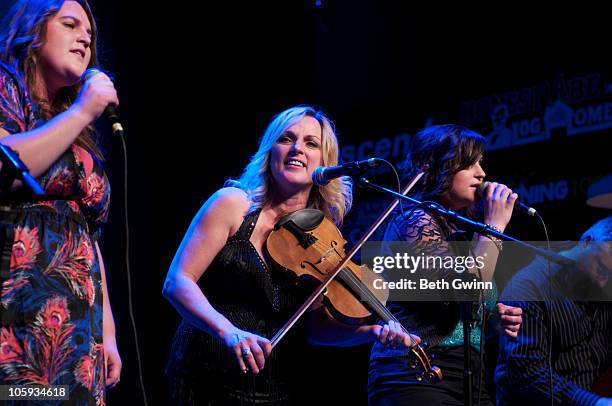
column 239, row 285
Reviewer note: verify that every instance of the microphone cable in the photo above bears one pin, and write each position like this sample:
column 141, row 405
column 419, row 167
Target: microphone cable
column 127, row 265
column 549, row 310
column 399, row 186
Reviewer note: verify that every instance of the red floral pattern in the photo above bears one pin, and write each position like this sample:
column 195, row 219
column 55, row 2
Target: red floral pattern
column 60, row 182
column 88, row 370
column 95, row 187
column 72, row 262
column 51, row 302
column 25, row 248
column 45, row 352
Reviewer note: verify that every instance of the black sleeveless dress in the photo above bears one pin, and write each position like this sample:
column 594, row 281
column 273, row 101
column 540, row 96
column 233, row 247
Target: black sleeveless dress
column 200, row 369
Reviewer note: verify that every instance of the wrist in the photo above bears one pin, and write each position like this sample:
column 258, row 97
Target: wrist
column 77, row 113
column 497, row 226
column 223, row 331
column 498, row 242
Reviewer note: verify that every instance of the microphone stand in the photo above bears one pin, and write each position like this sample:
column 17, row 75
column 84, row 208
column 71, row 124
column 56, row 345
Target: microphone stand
column 471, row 225
column 13, row 168
column 331, row 275
column 468, row 315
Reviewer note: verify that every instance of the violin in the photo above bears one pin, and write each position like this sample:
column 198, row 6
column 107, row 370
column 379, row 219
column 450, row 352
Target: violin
column 310, row 246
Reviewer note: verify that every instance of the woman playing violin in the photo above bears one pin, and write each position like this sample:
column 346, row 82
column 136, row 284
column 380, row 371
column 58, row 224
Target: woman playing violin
column 223, row 287
column 454, row 155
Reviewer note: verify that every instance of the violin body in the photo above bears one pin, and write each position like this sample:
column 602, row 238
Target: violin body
column 311, row 246
column 313, row 253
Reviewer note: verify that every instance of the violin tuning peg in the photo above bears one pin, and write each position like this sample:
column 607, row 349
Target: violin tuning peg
column 419, row 377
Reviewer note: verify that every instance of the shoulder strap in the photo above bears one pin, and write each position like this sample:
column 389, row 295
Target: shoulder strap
column 248, row 225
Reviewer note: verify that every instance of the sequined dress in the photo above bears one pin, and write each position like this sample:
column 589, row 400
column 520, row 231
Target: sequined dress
column 200, row 369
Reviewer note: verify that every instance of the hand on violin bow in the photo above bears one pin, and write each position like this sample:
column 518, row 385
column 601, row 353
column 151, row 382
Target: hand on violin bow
column 250, row 349
column 393, row 335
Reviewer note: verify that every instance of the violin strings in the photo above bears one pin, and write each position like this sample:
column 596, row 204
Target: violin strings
column 358, row 285
column 371, row 299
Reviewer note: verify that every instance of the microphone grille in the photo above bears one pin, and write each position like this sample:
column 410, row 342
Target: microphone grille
column 482, row 187
column 89, row 73
column 318, row 178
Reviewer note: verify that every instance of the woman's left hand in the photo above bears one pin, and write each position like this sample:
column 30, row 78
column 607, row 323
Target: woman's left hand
column 511, row 319
column 112, row 362
column 393, row 335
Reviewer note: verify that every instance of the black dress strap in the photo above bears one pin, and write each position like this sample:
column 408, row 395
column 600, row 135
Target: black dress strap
column 248, row 225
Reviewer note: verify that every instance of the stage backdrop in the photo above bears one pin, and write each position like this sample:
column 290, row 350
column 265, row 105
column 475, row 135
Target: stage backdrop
column 199, row 84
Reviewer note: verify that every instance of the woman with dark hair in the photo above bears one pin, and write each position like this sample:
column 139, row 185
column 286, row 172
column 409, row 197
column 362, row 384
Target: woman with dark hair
column 221, row 282
column 57, row 324
column 454, row 155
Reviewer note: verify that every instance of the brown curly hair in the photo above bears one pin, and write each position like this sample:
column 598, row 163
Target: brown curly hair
column 22, row 35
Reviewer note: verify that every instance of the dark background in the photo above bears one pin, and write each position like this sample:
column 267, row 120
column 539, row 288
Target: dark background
column 198, row 85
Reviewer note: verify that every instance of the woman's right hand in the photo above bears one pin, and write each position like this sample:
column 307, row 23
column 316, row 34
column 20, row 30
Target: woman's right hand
column 250, row 349
column 95, row 95
column 498, row 205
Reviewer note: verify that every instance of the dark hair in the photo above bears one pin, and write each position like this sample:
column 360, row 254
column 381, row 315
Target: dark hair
column 22, row 35
column 447, row 149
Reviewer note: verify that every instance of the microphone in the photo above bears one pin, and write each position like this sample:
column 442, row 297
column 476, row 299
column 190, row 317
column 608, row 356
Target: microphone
column 520, row 206
column 110, row 112
column 322, row 175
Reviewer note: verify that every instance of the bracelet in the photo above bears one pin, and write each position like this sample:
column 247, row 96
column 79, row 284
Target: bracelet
column 498, row 242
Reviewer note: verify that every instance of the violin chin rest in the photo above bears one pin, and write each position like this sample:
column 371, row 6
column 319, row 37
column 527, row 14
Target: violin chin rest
column 305, row 219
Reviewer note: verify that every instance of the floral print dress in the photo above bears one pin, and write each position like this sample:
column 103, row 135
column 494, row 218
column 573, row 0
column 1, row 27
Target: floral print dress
column 51, row 290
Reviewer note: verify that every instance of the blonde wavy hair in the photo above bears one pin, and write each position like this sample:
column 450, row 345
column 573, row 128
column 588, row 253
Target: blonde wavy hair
column 334, row 199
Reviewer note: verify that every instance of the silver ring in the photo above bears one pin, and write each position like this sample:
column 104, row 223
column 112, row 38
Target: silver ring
column 245, row 351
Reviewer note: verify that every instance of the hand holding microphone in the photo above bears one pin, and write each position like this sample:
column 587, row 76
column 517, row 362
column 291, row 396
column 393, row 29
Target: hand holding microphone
column 98, row 96
column 499, row 203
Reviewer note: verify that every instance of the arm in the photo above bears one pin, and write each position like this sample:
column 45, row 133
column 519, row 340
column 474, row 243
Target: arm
column 204, row 239
column 40, row 147
column 526, row 360
column 112, row 360
column 498, row 205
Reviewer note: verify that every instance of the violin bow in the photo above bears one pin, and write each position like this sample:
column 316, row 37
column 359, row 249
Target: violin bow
column 331, row 275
